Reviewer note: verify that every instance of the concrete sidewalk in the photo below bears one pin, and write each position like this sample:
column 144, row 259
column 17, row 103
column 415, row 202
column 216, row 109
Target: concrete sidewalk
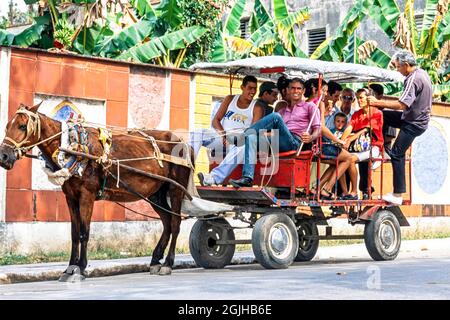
column 429, row 248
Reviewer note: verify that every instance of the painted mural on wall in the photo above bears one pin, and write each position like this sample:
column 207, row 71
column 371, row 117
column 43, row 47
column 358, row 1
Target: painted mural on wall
column 147, row 97
column 430, row 164
column 64, row 111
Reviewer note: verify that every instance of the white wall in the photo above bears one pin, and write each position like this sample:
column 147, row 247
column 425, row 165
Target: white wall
column 5, row 61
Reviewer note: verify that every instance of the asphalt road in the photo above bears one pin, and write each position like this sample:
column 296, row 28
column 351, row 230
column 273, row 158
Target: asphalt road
column 421, row 271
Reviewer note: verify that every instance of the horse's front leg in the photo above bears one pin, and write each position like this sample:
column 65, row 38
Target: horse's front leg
column 176, row 198
column 73, row 273
column 87, row 200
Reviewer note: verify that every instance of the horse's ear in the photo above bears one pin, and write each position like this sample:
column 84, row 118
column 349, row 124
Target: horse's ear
column 35, row 108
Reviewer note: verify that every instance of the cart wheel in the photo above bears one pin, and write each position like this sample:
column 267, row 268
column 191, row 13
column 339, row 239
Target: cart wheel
column 307, row 248
column 203, row 247
column 275, row 241
column 382, row 236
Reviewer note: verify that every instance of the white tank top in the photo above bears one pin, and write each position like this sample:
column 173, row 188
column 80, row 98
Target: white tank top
column 238, row 118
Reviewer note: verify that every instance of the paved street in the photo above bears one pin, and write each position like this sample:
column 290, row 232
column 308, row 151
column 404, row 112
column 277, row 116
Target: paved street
column 422, row 271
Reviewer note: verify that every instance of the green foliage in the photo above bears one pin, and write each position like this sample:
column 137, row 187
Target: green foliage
column 204, row 14
column 269, row 35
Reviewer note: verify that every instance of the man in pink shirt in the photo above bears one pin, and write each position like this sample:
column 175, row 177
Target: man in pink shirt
column 292, row 124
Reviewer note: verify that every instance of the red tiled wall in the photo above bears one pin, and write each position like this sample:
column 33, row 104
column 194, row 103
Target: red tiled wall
column 46, row 73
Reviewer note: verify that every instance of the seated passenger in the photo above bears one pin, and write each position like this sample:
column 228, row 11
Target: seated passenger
column 291, row 123
column 235, row 114
column 364, row 131
column 339, row 125
column 268, row 94
column 333, row 150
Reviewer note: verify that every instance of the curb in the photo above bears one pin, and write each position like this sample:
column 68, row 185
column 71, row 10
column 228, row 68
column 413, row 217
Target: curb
column 100, row 268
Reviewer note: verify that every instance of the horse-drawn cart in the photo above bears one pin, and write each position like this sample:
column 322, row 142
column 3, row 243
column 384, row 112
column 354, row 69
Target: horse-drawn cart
column 282, row 211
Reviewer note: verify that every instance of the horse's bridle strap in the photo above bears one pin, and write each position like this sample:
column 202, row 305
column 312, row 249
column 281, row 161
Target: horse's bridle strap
column 33, row 127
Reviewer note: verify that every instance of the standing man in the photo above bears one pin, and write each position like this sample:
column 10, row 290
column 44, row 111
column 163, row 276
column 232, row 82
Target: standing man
column 268, row 94
column 415, row 109
column 235, row 114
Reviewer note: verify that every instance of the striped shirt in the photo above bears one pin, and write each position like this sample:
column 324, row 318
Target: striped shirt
column 417, row 96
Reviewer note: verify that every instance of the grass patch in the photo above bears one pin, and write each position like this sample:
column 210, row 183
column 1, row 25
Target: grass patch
column 100, row 251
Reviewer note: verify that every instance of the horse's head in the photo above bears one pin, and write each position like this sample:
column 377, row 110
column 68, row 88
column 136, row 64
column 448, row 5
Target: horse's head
column 22, row 131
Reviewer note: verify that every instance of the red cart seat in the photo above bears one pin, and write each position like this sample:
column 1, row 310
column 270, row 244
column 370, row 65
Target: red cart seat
column 287, row 170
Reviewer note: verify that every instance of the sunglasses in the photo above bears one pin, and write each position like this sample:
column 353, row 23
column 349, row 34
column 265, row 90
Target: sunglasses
column 347, row 97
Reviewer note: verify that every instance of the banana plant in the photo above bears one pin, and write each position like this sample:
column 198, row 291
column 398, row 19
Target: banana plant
column 269, row 34
column 332, row 49
column 431, row 46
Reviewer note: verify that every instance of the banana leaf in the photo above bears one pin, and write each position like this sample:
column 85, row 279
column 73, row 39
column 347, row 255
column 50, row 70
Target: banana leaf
column 30, row 35
column 232, row 26
column 409, row 12
column 89, row 38
column 125, row 39
column 161, row 46
column 332, row 48
column 254, row 23
column 428, row 18
column 280, row 9
column 30, row 1
column 261, row 13
column 385, row 13
column 285, row 28
column 170, row 12
column 350, row 51
column 265, row 34
column 444, row 30
column 218, row 52
column 295, row 46
column 143, row 7
column 6, row 38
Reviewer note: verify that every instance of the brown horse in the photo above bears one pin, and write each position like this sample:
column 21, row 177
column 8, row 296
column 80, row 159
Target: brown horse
column 28, row 127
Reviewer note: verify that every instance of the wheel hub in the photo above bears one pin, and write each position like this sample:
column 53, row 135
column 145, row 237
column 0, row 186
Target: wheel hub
column 388, row 235
column 279, row 240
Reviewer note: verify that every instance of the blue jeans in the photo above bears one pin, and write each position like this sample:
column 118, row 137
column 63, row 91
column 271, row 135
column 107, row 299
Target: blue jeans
column 286, row 140
column 232, row 155
column 408, row 132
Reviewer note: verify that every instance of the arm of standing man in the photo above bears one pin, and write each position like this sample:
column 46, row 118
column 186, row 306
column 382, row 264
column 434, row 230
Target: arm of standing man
column 390, row 104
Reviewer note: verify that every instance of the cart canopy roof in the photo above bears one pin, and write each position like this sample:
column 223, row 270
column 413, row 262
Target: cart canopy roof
column 270, row 67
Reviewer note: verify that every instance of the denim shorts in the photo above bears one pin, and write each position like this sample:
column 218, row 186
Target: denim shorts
column 330, row 150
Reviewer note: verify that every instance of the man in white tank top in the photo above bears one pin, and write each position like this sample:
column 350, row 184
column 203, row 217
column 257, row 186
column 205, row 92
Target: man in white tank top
column 235, row 114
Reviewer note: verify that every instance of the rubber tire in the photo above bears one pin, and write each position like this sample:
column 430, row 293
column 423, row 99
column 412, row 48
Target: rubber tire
column 261, row 246
column 205, row 254
column 373, row 242
column 311, row 227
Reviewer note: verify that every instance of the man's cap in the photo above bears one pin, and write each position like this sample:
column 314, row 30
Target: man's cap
column 267, row 86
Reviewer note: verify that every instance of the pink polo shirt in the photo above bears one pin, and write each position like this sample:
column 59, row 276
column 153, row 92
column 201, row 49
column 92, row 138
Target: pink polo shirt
column 298, row 118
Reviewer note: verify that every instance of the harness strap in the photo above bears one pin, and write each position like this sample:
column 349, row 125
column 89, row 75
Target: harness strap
column 166, row 157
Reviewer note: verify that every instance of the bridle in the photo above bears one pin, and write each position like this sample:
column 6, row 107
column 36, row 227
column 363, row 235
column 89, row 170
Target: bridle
column 33, row 128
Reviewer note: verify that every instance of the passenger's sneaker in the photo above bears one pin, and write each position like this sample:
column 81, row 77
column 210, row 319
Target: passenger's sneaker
column 391, row 198
column 206, row 179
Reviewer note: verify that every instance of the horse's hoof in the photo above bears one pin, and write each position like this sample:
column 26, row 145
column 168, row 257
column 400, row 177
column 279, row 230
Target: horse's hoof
column 72, row 274
column 155, row 269
column 165, row 271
